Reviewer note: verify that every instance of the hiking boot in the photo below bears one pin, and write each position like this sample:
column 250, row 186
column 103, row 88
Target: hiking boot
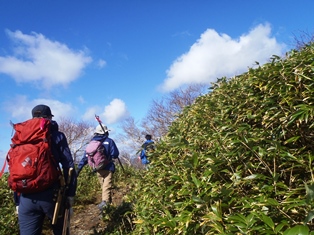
column 102, row 205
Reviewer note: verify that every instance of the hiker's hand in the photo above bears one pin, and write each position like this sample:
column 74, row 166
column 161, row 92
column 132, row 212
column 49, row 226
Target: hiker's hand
column 17, row 210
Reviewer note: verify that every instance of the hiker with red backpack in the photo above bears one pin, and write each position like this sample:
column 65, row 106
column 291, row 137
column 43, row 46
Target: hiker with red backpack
column 34, row 167
column 104, row 164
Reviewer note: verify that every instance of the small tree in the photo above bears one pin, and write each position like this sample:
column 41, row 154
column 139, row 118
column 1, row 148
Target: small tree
column 78, row 134
column 163, row 112
column 132, row 136
column 304, row 38
column 159, row 117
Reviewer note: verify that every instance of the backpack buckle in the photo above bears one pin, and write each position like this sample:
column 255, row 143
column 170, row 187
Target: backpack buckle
column 24, row 183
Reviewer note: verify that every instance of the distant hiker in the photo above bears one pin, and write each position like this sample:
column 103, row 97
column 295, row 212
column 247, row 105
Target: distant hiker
column 36, row 196
column 104, row 172
column 147, row 148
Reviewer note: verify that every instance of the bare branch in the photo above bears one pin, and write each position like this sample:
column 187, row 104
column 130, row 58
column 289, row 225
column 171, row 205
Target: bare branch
column 304, row 38
column 78, row 135
column 159, row 117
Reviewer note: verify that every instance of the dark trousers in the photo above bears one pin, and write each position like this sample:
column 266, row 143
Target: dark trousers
column 32, row 211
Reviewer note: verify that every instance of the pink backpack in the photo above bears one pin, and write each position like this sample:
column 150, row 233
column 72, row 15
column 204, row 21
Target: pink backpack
column 95, row 152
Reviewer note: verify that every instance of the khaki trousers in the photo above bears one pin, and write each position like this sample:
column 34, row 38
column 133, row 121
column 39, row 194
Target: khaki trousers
column 105, row 180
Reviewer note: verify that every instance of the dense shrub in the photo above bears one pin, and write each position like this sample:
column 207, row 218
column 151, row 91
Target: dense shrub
column 238, row 161
column 88, row 188
column 8, row 217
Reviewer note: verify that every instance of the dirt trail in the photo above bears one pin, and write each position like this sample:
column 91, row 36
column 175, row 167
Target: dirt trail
column 88, row 220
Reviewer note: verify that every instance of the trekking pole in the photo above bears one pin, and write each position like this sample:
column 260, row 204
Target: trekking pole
column 100, row 123
column 58, row 205
column 66, row 220
column 120, row 164
column 61, row 198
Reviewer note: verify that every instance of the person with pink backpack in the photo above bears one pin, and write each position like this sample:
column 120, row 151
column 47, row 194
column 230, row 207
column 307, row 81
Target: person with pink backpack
column 99, row 154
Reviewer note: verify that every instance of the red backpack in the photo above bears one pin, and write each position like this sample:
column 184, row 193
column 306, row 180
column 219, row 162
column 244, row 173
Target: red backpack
column 95, row 152
column 32, row 167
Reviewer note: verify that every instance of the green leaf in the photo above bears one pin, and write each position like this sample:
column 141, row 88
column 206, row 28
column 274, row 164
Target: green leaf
column 297, row 230
column 292, row 139
column 196, row 181
column 280, row 226
column 309, row 217
column 267, row 220
column 309, row 193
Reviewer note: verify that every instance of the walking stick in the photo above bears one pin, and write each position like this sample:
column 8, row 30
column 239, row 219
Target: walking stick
column 66, row 220
column 100, row 123
column 61, row 207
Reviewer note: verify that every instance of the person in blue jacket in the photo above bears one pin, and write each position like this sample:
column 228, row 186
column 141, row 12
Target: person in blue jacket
column 33, row 207
column 104, row 175
column 148, row 144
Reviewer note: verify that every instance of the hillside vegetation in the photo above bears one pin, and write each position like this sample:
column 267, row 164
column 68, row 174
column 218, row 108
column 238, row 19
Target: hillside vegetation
column 239, row 160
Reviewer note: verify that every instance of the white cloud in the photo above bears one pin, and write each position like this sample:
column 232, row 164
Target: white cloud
column 111, row 114
column 42, row 61
column 81, row 100
column 90, row 113
column 101, row 63
column 216, row 55
column 21, row 108
column 115, row 111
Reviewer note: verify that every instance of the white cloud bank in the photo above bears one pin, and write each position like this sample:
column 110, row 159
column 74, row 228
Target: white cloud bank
column 40, row 60
column 21, row 108
column 112, row 113
column 216, row 55
column 115, row 111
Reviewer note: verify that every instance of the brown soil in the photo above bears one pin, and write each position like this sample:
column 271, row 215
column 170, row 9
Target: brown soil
column 87, row 219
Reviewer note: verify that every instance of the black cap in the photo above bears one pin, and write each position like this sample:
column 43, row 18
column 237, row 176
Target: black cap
column 41, row 110
column 148, row 137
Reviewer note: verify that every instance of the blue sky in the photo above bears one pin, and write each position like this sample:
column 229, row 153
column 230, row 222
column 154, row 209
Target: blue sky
column 112, row 58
